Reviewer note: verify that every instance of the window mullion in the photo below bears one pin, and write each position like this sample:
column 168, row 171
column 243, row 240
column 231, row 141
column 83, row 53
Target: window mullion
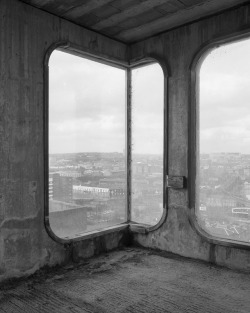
column 128, row 141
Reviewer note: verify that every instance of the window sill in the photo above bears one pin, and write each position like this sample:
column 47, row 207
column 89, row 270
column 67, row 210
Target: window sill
column 219, row 241
column 86, row 235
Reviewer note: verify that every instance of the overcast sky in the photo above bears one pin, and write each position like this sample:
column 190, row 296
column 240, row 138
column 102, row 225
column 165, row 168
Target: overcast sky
column 225, row 99
column 147, row 109
column 87, row 104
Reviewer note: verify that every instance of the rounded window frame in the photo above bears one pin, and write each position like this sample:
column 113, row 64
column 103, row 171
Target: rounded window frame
column 155, row 58
column 78, row 51
column 128, row 225
column 193, row 137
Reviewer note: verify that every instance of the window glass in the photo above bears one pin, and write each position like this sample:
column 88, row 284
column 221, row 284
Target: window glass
column 147, row 144
column 224, row 161
column 87, row 177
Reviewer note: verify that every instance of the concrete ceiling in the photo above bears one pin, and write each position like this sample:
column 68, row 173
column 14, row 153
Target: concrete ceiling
column 130, row 21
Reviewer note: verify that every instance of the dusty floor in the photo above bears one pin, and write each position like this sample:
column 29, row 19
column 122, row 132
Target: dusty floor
column 130, row 280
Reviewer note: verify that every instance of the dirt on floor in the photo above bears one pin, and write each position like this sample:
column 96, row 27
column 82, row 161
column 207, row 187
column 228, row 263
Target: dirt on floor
column 130, row 280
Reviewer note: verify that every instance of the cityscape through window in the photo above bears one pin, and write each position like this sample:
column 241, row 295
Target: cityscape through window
column 87, row 172
column 224, row 161
column 147, row 144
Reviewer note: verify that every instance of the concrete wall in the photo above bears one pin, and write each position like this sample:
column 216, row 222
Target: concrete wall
column 177, row 49
column 25, row 35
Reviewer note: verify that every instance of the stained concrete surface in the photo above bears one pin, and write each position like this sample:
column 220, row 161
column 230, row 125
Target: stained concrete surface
column 132, row 20
column 176, row 51
column 130, row 280
column 26, row 34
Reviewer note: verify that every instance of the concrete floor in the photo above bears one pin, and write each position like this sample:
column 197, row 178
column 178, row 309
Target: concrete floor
column 130, row 280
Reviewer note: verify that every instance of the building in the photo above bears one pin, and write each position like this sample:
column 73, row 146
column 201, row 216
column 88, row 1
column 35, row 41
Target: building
column 62, row 187
column 92, row 192
column 177, row 263
column 67, row 219
column 50, row 187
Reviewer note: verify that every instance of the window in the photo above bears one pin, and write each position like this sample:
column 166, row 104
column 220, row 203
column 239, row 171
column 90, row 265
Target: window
column 87, row 162
column 224, row 142
column 147, row 144
column 89, row 165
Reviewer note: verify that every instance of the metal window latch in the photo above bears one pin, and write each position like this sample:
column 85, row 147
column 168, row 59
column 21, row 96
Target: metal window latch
column 176, row 182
